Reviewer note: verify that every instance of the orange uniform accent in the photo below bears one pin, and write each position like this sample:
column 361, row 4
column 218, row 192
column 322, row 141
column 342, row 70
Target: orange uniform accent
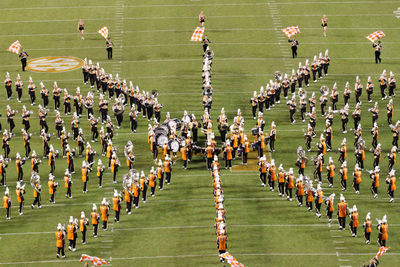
column 320, row 195
column 127, row 195
column 209, row 152
column 354, row 217
column 330, row 205
column 384, row 231
column 376, row 180
column 310, row 196
column 66, row 178
column 291, row 181
column 393, row 183
column 222, row 242
column 272, row 172
column 344, row 173
column 84, row 174
column 104, row 213
column 59, row 237
column 331, row 170
column 229, row 150
column 99, row 167
column 5, row 199
column 116, row 201
column 82, row 223
column 167, row 166
column 70, row 231
column 136, row 191
column 19, row 193
column 152, row 180
column 184, row 153
column 368, row 226
column 357, row 175
column 281, row 176
column 300, row 189
column 159, row 172
column 342, row 207
column 95, row 217
column 50, row 184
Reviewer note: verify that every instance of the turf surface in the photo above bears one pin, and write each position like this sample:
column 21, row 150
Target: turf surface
column 176, row 227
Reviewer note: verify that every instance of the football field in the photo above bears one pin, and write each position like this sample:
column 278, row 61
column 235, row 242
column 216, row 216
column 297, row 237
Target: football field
column 152, row 48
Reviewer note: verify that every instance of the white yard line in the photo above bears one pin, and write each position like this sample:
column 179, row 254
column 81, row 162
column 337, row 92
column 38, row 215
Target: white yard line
column 191, row 17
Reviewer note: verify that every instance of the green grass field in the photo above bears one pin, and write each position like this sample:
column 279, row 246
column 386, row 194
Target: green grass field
column 152, row 48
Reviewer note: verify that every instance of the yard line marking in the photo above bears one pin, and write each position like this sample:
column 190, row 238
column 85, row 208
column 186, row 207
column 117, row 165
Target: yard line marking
column 337, row 242
column 195, row 5
column 340, row 248
column 181, row 17
column 343, row 260
column 188, row 30
column 106, row 241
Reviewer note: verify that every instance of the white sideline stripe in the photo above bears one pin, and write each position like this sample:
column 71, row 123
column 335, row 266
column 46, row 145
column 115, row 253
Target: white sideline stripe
column 191, row 17
column 201, row 5
column 204, row 255
column 338, row 242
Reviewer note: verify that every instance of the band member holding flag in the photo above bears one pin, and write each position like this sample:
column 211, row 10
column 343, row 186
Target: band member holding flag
column 378, row 47
column 109, row 48
column 23, row 55
column 294, row 44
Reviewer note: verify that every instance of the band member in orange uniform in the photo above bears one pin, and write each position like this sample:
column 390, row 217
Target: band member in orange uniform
column 60, row 235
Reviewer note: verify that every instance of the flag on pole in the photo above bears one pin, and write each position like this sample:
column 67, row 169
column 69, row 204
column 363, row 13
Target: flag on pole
column 15, row 47
column 375, row 36
column 231, row 260
column 104, row 32
column 197, row 35
column 290, row 31
column 381, row 251
column 95, row 260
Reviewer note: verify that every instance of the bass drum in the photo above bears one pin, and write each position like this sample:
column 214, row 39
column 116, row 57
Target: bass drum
column 161, row 130
column 174, row 145
column 174, row 123
column 162, row 140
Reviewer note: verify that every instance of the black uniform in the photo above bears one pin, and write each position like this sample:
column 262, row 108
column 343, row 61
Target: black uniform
column 109, row 45
column 23, row 55
column 295, row 43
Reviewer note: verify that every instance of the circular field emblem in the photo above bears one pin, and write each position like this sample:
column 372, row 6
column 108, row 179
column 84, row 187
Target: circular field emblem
column 54, row 64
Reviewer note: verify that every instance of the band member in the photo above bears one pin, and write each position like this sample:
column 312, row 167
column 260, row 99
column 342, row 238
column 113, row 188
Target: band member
column 391, row 181
column 42, row 119
column 52, row 161
column 263, row 170
column 378, row 47
column 383, row 84
column 300, row 190
column 228, row 155
column 95, row 219
column 346, row 93
column 160, row 174
column 143, row 183
column 85, row 176
column 37, row 190
column 8, row 85
column 324, row 24
column 71, row 234
column 206, row 42
column 367, row 225
column 81, row 28
column 392, row 158
column 44, row 93
column 69, row 154
column 245, row 150
column 7, row 203
column 383, row 231
column 342, row 213
column 330, row 172
column 18, row 164
column 309, row 190
column 136, row 191
column 118, row 109
column 104, row 208
column 330, row 208
column 52, row 188
column 133, row 119
column 318, row 168
column 20, row 191
column 109, row 48
column 18, row 87
column 343, row 176
column 325, row 63
column 374, row 175
column 115, row 163
column 319, row 198
column 357, row 179
column 358, row 89
column 353, row 221
column 152, row 181
column 272, row 177
column 68, row 184
column 392, row 84
column 23, row 55
column 82, row 227
column 184, row 154
column 78, row 102
column 56, row 96
column 60, row 235
column 100, row 172
column 294, row 44
column 370, row 89
column 10, row 118
column 289, row 184
column 292, row 109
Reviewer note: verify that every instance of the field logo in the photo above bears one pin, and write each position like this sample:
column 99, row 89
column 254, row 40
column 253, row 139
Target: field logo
column 397, row 13
column 54, row 64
